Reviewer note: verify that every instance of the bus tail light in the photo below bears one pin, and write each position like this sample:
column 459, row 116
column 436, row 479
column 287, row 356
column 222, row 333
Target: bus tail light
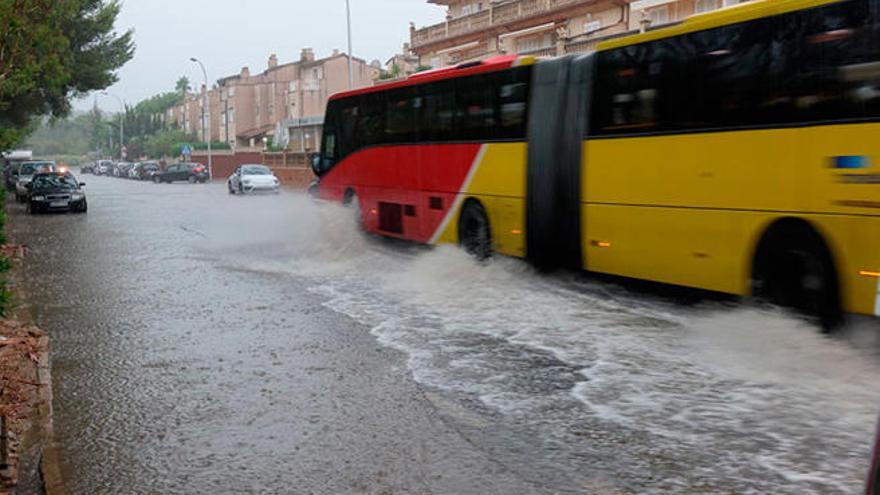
column 868, row 273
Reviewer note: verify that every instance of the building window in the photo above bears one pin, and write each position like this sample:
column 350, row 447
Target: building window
column 471, row 8
column 435, row 62
column 292, row 86
column 592, row 26
column 534, row 43
column 232, row 91
column 231, row 115
column 659, row 15
column 706, row 6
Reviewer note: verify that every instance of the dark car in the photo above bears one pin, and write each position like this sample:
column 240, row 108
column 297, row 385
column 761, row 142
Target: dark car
column 87, row 168
column 190, row 172
column 56, row 191
column 873, row 487
column 145, row 170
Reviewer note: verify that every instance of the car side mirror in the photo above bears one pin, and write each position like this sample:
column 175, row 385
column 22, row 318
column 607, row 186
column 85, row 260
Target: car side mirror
column 315, row 161
column 82, row 184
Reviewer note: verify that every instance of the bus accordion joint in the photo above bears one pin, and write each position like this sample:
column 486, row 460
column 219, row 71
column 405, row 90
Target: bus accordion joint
column 600, row 244
column 868, row 273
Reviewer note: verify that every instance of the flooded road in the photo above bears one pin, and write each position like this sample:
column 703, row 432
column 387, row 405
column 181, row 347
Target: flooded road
column 207, row 343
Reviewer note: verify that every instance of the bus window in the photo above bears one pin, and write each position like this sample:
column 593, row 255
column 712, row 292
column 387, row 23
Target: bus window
column 513, row 97
column 401, row 123
column 438, row 113
column 475, row 99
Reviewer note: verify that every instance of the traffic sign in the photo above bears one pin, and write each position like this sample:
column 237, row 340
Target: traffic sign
column 186, row 150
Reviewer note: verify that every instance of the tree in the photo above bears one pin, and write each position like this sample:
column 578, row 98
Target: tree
column 51, row 52
column 183, row 85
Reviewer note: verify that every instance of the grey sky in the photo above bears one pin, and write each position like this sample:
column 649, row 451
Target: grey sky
column 230, row 34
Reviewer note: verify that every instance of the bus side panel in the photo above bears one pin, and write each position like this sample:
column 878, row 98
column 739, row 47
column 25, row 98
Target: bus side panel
column 674, row 208
column 498, row 182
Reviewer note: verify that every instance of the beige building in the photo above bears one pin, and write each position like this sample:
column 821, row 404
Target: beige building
column 282, row 98
column 285, row 102
column 475, row 30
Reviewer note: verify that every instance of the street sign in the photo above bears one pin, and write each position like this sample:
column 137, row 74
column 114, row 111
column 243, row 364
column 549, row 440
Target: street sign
column 186, row 150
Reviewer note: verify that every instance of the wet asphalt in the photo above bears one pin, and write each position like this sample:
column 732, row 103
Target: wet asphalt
column 177, row 374
column 210, row 343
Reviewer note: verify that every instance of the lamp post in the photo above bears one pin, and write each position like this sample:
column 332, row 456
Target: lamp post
column 350, row 72
column 121, row 122
column 205, row 127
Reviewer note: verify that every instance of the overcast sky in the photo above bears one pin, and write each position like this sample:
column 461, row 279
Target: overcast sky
column 230, row 34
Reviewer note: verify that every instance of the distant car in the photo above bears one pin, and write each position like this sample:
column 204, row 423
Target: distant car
column 88, row 168
column 121, row 169
column 104, row 167
column 26, row 172
column 144, row 170
column 190, row 172
column 873, row 487
column 56, row 191
column 251, row 178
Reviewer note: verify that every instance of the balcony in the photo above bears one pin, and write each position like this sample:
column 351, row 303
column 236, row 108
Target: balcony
column 497, row 15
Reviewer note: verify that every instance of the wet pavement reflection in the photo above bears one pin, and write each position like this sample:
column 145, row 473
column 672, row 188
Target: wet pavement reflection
column 208, row 343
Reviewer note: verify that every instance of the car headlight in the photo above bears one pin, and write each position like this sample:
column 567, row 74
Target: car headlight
column 246, row 182
column 77, row 196
column 39, row 198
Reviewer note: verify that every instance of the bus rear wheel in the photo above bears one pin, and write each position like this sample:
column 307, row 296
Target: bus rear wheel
column 474, row 231
column 794, row 269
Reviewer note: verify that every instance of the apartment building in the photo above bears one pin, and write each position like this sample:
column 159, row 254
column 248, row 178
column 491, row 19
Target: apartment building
column 186, row 115
column 285, row 100
column 478, row 29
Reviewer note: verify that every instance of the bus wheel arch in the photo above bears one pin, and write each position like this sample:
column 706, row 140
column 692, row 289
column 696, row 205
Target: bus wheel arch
column 351, row 201
column 794, row 266
column 475, row 229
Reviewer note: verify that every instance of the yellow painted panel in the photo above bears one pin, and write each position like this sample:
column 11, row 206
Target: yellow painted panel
column 749, row 169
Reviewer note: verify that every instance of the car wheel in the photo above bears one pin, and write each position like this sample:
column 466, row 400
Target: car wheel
column 192, row 179
column 84, row 207
column 240, row 188
column 156, row 179
column 30, row 208
column 229, row 186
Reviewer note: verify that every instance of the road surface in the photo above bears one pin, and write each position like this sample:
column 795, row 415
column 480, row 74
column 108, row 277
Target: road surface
column 208, row 343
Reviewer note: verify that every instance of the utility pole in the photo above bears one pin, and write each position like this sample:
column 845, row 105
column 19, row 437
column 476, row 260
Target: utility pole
column 350, row 72
column 206, row 127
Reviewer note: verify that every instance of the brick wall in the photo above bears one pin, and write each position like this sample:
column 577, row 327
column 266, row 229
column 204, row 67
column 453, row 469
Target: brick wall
column 224, row 163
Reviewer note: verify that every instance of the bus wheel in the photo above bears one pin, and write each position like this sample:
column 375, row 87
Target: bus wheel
column 474, row 231
column 794, row 269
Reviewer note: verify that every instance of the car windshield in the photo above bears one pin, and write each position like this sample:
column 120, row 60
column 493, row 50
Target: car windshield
column 31, row 168
column 55, row 182
column 256, row 170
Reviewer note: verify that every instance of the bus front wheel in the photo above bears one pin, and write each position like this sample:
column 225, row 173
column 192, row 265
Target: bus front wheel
column 474, row 231
column 794, row 269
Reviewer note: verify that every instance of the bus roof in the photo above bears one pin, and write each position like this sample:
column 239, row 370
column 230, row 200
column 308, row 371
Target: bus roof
column 460, row 70
column 728, row 15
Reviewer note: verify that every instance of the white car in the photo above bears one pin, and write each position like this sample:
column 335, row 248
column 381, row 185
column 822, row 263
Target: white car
column 251, row 178
column 26, row 173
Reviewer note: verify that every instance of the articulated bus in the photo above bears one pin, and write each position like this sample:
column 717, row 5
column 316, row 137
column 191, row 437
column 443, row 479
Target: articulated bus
column 737, row 151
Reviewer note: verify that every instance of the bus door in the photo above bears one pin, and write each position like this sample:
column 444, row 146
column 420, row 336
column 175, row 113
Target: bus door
column 557, row 121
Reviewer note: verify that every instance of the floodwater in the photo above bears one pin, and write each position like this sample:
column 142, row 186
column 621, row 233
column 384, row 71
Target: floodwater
column 207, row 343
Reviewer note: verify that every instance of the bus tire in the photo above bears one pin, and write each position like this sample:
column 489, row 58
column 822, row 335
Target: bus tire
column 794, row 268
column 474, row 230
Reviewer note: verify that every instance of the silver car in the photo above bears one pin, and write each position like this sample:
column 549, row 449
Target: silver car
column 26, row 173
column 252, row 178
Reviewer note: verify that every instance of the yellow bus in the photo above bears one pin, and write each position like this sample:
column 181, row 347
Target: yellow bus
column 737, row 151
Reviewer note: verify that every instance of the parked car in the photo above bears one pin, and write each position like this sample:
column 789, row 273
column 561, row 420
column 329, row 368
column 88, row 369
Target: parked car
column 104, row 167
column 873, row 486
column 26, row 172
column 251, row 178
column 56, row 191
column 121, row 169
column 87, row 168
column 11, row 160
column 144, row 170
column 190, row 172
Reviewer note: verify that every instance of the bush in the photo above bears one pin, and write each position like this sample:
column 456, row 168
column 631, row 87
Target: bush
column 5, row 264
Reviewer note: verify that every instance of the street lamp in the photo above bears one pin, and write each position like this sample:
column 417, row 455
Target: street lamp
column 206, row 133
column 121, row 122
column 350, row 72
